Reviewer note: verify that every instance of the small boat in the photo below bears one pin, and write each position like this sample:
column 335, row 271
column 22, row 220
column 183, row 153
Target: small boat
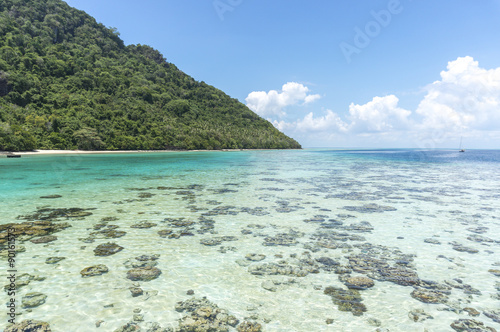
column 11, row 155
column 460, row 149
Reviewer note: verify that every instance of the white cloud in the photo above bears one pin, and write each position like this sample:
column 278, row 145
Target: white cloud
column 466, row 98
column 282, row 125
column 273, row 102
column 329, row 122
column 311, row 98
column 380, row 114
column 465, row 101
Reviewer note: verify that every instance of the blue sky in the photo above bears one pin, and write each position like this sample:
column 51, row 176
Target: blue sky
column 380, row 73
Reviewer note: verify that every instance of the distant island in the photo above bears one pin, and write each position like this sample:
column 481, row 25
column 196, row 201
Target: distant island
column 68, row 82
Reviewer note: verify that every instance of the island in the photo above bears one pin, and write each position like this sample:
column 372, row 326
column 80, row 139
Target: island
column 68, row 82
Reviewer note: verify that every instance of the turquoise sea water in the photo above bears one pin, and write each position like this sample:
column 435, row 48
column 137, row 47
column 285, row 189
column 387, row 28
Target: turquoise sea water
column 423, row 225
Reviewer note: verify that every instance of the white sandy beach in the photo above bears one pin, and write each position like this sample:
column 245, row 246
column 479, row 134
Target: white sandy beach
column 42, row 152
column 77, row 151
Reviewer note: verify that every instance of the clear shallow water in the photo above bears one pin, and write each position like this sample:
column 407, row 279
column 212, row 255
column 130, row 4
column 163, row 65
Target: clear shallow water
column 342, row 205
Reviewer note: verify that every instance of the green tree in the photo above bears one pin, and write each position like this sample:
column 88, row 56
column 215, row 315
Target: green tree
column 88, row 139
column 67, row 81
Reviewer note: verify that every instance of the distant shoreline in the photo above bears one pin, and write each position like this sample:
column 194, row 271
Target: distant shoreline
column 47, row 152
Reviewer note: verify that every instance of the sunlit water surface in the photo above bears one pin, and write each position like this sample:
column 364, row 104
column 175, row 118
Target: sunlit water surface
column 414, row 210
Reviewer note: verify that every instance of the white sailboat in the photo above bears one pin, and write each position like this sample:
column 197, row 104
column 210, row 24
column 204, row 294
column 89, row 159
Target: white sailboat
column 460, row 148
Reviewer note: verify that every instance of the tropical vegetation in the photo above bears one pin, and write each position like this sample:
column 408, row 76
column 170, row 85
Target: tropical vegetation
column 69, row 82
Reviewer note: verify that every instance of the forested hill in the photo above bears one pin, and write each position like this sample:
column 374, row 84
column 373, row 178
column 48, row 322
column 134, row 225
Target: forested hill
column 68, row 82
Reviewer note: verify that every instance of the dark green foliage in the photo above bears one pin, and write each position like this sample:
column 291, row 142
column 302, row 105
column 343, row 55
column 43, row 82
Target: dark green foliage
column 88, row 139
column 68, row 82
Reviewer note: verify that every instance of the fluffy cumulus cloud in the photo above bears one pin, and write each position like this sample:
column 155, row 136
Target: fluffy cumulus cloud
column 329, row 122
column 273, row 103
column 379, row 115
column 465, row 100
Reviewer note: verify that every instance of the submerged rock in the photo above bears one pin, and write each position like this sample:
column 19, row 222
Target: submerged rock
column 255, row 257
column 51, row 196
column 380, row 269
column 143, row 273
column 360, row 283
column 318, row 218
column 279, row 269
column 107, row 249
column 346, row 300
column 33, row 299
column 18, row 284
column 211, row 242
column 466, row 325
column 363, row 227
column 472, row 312
column 136, row 291
column 282, row 239
column 44, row 239
column 54, row 260
column 95, row 270
column 432, row 241
column 269, row 285
column 493, row 314
column 429, row 296
column 192, row 304
column 374, row 322
column 27, row 230
column 327, row 261
column 400, row 276
column 179, row 222
column 129, row 327
column 142, row 261
column 138, row 318
column 145, row 195
column 53, row 214
column 370, row 208
column 29, row 325
column 495, row 272
column 106, row 219
column 243, row 262
column 223, row 249
column 419, row 315
column 205, row 316
column 247, row 326
column 164, row 232
column 144, row 258
column 478, row 230
column 460, row 247
column 22, row 280
column 332, row 236
column 155, row 327
column 342, row 270
column 113, row 234
column 143, row 224
column 107, row 232
column 229, row 238
column 329, row 244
